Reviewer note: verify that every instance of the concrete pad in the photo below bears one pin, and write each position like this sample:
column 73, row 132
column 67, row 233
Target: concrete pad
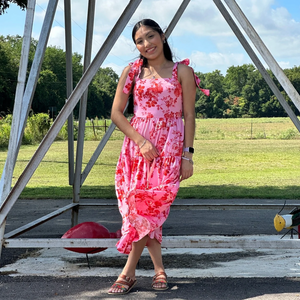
column 179, row 263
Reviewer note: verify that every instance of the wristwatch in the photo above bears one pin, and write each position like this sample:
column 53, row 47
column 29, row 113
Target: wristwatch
column 188, row 149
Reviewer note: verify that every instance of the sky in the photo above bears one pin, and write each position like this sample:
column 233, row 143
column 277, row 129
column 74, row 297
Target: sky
column 202, row 34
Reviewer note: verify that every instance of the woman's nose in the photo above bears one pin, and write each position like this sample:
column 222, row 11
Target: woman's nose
column 146, row 43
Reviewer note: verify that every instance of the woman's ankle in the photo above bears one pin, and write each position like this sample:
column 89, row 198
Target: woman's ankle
column 128, row 274
column 159, row 270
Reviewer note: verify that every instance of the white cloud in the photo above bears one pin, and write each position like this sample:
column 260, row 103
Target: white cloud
column 39, row 15
column 122, row 47
column 285, row 64
column 201, row 19
column 217, row 60
column 276, row 27
column 57, row 37
column 42, row 2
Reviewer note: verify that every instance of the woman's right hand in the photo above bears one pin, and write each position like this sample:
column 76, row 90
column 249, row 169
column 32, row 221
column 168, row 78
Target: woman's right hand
column 149, row 151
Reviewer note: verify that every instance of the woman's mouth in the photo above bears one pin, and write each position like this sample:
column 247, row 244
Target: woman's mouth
column 150, row 50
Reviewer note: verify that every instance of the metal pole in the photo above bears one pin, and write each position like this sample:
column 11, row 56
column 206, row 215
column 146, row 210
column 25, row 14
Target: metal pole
column 67, row 109
column 37, row 64
column 264, row 52
column 7, row 174
column 69, row 74
column 98, row 151
column 2, row 229
column 82, row 111
column 258, row 63
column 29, row 91
column 176, row 18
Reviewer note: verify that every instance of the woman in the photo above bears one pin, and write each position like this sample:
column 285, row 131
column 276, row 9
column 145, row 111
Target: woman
column 157, row 150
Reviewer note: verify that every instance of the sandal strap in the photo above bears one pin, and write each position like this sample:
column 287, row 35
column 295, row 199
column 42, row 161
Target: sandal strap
column 160, row 274
column 123, row 283
column 127, row 280
column 120, row 286
column 160, row 278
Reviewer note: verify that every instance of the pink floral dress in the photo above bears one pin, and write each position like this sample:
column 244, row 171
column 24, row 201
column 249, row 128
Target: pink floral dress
column 146, row 190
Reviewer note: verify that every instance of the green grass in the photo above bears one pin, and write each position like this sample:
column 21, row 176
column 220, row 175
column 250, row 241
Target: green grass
column 228, row 163
column 248, row 128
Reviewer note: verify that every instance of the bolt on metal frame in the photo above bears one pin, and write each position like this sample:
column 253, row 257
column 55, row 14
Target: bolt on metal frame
column 9, row 197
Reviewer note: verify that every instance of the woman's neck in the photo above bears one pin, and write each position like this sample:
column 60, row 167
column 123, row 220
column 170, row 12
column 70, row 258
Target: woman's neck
column 157, row 63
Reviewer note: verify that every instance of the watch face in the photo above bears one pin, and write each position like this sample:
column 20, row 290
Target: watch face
column 189, row 149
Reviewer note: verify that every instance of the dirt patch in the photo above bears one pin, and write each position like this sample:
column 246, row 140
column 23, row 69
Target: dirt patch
column 11, row 255
column 192, row 261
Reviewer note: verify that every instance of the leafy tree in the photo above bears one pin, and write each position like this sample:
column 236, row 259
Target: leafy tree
column 214, row 105
column 10, row 51
column 242, row 92
column 236, row 78
column 4, row 4
column 51, row 88
column 293, row 75
column 102, row 92
column 45, row 96
column 8, row 77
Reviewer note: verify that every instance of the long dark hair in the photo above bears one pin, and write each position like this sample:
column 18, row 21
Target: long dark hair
column 166, row 48
column 150, row 23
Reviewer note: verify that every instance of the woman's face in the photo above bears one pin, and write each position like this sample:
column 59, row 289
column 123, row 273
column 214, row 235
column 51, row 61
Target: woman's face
column 149, row 42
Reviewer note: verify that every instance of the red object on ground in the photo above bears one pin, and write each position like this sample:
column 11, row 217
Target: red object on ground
column 89, row 230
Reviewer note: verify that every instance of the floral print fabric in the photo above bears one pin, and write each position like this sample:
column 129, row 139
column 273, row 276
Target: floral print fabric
column 146, row 190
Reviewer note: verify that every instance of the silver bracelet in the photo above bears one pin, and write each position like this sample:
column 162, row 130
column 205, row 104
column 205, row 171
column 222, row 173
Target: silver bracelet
column 190, row 160
column 144, row 142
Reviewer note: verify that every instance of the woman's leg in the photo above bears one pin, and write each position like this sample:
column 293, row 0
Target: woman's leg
column 132, row 260
column 154, row 249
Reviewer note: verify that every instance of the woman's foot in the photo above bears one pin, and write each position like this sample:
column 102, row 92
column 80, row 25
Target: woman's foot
column 122, row 286
column 159, row 281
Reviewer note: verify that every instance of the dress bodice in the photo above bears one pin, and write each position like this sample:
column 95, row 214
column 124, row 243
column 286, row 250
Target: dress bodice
column 159, row 97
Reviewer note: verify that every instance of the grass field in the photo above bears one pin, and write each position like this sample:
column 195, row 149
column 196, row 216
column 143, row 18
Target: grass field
column 234, row 158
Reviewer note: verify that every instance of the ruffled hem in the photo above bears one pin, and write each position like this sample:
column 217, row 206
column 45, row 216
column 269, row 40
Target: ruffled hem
column 124, row 245
column 147, row 211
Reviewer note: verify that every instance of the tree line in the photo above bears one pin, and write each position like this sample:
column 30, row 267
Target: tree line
column 242, row 92
column 50, row 95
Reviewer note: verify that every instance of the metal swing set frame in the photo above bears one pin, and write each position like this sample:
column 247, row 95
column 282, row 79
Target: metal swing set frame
column 23, row 98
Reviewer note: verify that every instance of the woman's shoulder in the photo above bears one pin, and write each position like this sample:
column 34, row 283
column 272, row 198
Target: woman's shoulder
column 184, row 65
column 125, row 73
column 126, row 70
column 184, row 70
column 132, row 68
column 186, row 73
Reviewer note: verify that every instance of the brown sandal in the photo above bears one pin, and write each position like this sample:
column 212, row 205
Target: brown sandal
column 125, row 284
column 160, row 277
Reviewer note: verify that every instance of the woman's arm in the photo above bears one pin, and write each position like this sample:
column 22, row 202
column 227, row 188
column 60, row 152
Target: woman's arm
column 186, row 78
column 117, row 116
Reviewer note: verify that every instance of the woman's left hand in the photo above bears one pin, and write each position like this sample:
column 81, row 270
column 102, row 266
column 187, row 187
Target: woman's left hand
column 186, row 169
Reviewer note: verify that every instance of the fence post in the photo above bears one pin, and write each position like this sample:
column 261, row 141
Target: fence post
column 92, row 121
